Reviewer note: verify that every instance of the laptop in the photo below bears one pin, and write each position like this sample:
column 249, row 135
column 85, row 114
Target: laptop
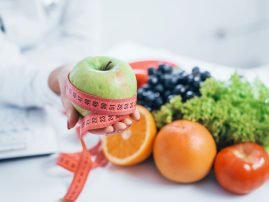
column 25, row 133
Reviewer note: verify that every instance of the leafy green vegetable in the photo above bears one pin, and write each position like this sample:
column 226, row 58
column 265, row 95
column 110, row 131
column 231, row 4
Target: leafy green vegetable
column 234, row 111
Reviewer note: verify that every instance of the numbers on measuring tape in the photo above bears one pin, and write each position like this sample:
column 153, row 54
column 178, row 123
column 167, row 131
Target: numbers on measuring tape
column 104, row 112
column 99, row 105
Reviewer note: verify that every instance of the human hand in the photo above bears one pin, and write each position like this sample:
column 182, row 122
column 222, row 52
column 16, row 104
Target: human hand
column 57, row 80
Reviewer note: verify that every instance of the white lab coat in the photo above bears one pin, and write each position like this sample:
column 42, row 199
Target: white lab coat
column 39, row 36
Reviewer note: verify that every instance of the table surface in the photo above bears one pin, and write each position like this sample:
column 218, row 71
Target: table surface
column 39, row 179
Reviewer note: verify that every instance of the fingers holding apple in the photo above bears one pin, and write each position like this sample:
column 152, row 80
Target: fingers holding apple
column 136, row 115
column 119, row 126
column 108, row 78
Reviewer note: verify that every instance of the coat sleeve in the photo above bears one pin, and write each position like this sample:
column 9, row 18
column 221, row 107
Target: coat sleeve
column 76, row 36
column 22, row 84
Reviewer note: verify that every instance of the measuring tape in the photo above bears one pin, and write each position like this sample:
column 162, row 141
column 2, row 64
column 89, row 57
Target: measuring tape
column 103, row 112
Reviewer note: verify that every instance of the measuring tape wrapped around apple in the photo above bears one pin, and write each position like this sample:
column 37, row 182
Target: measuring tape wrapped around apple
column 103, row 91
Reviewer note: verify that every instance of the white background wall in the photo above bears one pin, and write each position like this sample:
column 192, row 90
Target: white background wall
column 230, row 32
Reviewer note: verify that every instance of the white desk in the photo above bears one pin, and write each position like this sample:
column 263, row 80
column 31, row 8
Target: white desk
column 38, row 179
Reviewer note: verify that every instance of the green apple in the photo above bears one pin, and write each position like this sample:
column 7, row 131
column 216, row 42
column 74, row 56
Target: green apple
column 104, row 77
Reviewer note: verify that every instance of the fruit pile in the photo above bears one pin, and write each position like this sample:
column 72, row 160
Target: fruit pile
column 166, row 82
column 185, row 152
column 184, row 149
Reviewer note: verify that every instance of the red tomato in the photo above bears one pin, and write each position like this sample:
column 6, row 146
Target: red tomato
column 141, row 76
column 144, row 64
column 242, row 168
column 141, row 69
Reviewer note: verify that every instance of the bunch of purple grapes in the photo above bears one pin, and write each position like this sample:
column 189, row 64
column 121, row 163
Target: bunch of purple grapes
column 164, row 83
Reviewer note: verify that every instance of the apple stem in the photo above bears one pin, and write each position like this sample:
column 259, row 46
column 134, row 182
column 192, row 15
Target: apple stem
column 107, row 66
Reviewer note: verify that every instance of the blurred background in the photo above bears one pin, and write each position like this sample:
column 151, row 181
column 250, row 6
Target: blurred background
column 228, row 32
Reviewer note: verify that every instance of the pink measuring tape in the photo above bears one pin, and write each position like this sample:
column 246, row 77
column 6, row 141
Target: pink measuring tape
column 104, row 112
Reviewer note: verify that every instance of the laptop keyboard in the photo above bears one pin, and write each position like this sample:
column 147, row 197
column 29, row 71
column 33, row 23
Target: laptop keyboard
column 14, row 130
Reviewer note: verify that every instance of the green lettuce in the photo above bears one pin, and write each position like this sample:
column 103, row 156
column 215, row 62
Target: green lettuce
column 234, row 111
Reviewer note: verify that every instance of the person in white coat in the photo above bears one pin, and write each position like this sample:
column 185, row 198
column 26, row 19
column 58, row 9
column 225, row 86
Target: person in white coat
column 36, row 36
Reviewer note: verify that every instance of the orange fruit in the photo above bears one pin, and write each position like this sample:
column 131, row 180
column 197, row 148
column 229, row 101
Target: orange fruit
column 134, row 144
column 184, row 151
